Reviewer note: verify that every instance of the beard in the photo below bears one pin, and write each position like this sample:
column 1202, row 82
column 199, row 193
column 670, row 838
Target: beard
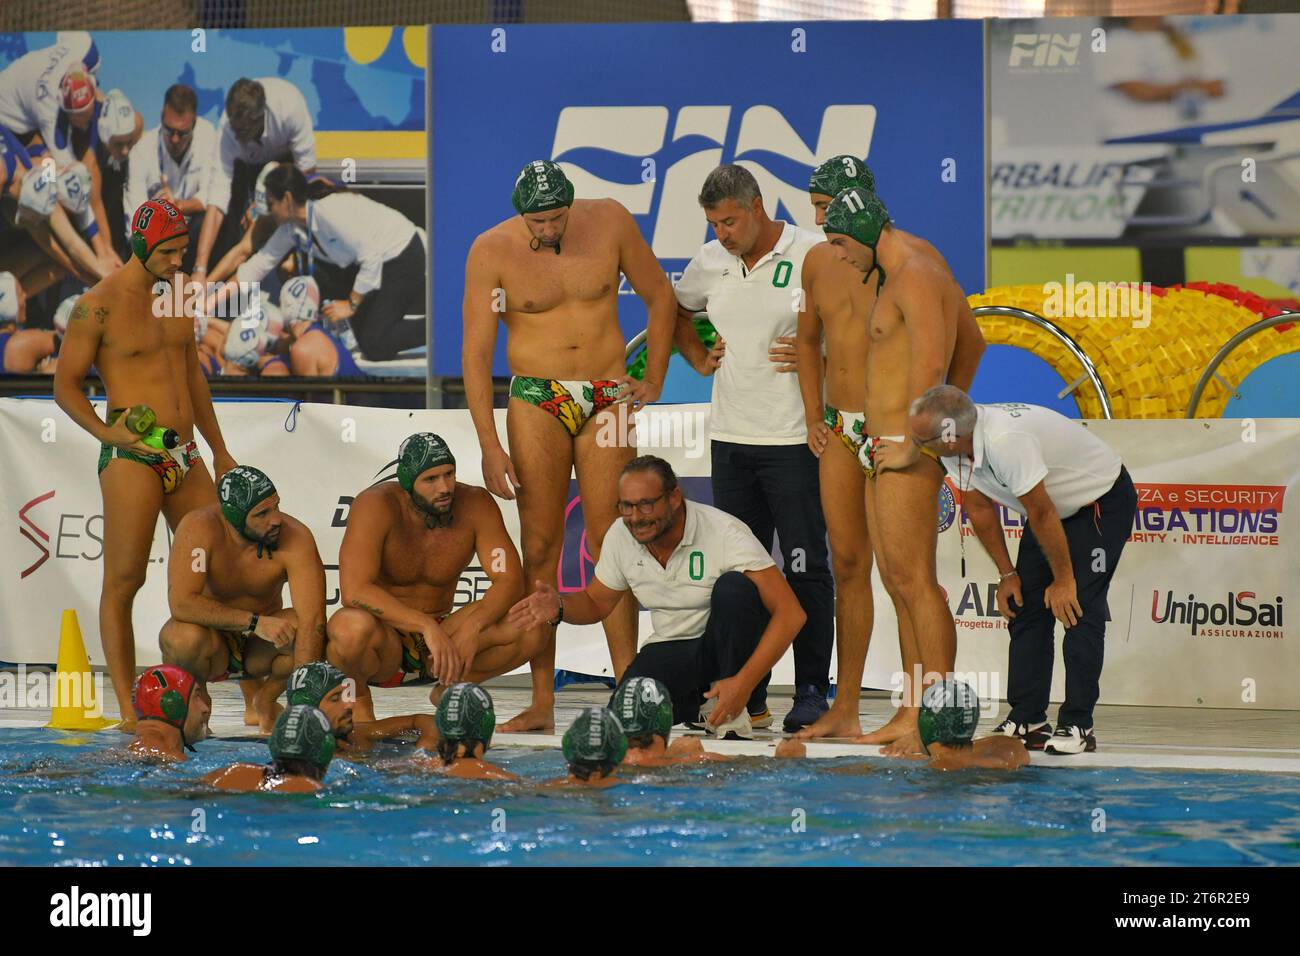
column 433, row 518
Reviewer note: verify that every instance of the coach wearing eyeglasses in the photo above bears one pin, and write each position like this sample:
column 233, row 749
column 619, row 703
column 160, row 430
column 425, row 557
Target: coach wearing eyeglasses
column 173, row 161
column 722, row 613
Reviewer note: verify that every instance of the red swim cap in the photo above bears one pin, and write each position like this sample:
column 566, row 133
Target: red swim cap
column 77, row 90
column 163, row 693
column 154, row 223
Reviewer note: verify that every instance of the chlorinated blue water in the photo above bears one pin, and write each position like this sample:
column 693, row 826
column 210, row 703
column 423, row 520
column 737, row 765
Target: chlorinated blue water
column 75, row 800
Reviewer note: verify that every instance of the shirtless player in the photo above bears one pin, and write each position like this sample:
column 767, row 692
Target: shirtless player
column 836, row 303
column 921, row 331
column 403, row 553
column 227, row 571
column 143, row 360
column 552, row 274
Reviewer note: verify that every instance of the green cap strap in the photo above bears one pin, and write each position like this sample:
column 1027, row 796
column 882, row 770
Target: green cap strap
column 861, row 216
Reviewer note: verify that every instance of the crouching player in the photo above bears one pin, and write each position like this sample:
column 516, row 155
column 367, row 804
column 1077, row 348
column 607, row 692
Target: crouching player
column 228, row 567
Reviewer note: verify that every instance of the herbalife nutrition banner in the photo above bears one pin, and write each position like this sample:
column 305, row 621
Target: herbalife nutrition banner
column 1198, row 608
column 1195, row 114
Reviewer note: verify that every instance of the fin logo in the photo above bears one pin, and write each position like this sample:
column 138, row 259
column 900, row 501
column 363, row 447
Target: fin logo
column 603, row 151
column 1044, row 50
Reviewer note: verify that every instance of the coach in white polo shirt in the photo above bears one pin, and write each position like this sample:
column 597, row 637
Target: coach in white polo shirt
column 1079, row 502
column 265, row 119
column 749, row 280
column 722, row 613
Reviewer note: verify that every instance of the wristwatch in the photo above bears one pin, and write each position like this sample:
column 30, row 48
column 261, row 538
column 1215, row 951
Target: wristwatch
column 252, row 625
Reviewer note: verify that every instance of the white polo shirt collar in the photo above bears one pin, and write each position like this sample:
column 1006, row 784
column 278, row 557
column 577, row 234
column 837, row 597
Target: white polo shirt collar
column 689, row 533
column 783, row 243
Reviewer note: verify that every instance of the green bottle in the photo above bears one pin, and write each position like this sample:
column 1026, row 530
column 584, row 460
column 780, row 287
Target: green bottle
column 703, row 328
column 161, row 437
column 141, row 419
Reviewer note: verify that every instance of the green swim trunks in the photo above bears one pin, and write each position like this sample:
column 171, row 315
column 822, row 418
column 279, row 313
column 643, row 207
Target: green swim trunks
column 171, row 466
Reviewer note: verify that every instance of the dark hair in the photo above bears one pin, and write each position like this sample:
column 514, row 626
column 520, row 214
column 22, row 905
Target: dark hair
column 296, row 767
column 667, row 477
column 449, row 750
column 320, row 187
column 181, row 98
column 641, row 741
column 583, row 769
column 286, row 178
column 729, row 182
column 245, row 103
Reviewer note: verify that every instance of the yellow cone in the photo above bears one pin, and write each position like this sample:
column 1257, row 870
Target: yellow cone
column 73, row 696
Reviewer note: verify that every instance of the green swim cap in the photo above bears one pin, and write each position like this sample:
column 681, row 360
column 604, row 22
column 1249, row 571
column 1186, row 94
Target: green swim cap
column 241, row 490
column 303, row 733
column 465, row 712
column 949, row 712
column 540, row 187
column 310, row 683
column 860, row 215
column 596, row 736
column 644, row 707
column 840, row 173
column 419, row 453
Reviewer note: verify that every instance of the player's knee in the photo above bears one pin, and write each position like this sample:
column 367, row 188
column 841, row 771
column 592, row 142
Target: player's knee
column 122, row 583
column 348, row 634
column 851, row 566
column 904, row 581
column 181, row 643
column 539, row 550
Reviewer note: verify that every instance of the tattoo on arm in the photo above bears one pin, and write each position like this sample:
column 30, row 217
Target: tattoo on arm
column 366, row 607
column 101, row 314
column 79, row 312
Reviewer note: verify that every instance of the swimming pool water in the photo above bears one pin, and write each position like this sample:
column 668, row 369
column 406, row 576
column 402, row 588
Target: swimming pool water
column 72, row 800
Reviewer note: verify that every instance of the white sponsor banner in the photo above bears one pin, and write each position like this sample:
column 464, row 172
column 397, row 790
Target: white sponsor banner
column 1198, row 605
column 1066, row 192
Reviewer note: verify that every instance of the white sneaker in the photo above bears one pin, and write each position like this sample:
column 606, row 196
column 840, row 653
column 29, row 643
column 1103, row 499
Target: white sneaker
column 1070, row 739
column 739, row 727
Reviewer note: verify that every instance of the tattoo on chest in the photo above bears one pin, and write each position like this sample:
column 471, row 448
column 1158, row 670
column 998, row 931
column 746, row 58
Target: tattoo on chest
column 101, row 314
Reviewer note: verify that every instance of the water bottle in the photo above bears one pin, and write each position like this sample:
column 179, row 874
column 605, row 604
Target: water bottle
column 141, row 419
column 162, row 438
